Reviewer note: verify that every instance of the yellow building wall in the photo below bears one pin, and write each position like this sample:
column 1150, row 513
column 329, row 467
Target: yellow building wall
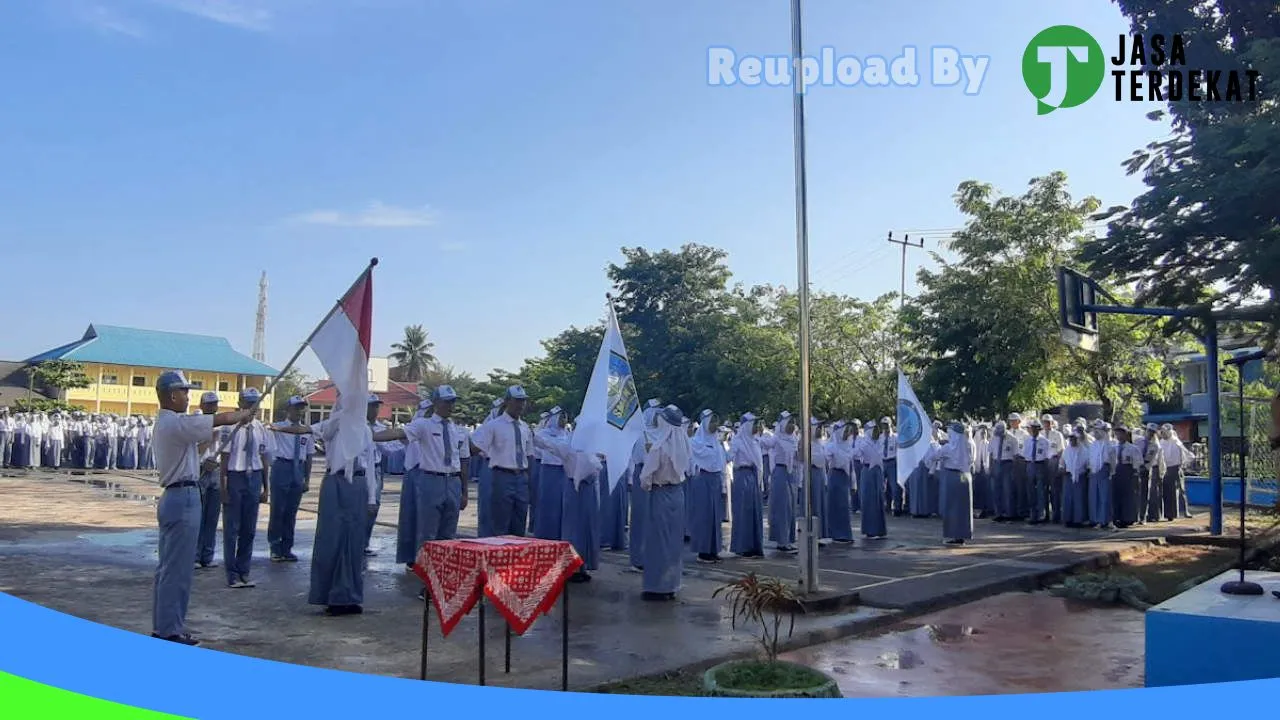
column 112, row 390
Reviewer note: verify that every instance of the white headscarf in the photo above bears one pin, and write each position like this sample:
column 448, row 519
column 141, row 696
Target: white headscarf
column 958, row 447
column 668, row 456
column 580, row 466
column 841, row 447
column 705, row 447
column 744, row 442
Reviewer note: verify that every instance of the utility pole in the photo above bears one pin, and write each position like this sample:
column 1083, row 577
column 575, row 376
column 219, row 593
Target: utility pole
column 905, row 242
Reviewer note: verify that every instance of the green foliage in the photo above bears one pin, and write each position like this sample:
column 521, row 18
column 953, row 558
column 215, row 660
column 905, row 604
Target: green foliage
column 412, row 355
column 984, row 327
column 753, row 598
column 1130, row 365
column 58, row 375
column 1208, row 227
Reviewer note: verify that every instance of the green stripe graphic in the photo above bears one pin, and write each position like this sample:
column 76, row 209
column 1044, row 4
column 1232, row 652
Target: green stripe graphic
column 22, row 699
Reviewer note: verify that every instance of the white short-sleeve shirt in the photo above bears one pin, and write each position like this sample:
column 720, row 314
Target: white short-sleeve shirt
column 176, row 439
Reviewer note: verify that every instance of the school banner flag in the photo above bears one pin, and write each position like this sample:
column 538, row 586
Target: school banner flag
column 913, row 429
column 610, row 422
column 342, row 343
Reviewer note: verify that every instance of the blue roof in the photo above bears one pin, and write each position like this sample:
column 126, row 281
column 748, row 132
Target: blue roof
column 151, row 348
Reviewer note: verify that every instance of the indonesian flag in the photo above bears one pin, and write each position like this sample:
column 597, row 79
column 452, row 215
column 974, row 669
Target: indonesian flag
column 611, row 421
column 342, row 344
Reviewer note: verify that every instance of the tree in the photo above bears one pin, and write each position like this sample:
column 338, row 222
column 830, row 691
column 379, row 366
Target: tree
column 1208, row 228
column 58, row 375
column 294, row 382
column 985, row 325
column 412, row 355
column 1130, row 365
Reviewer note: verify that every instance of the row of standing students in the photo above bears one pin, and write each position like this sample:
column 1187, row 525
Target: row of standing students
column 75, row 440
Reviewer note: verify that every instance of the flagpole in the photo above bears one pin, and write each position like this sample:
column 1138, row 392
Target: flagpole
column 809, row 553
column 373, row 262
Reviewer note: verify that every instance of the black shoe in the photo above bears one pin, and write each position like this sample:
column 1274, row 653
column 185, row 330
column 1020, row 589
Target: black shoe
column 184, row 639
column 579, row 577
column 955, row 542
column 339, row 610
column 657, row 597
column 290, row 557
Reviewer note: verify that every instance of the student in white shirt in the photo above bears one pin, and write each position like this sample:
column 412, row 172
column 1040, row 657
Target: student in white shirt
column 746, row 534
column 1102, row 464
column 1129, row 463
column 177, row 439
column 407, row 533
column 1174, row 488
column 1040, row 466
column 869, row 451
column 840, row 482
column 244, row 489
column 782, row 448
column 665, row 464
column 210, row 490
column 289, row 481
column 508, row 444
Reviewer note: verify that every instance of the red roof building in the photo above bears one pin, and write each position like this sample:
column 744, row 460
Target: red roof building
column 399, row 401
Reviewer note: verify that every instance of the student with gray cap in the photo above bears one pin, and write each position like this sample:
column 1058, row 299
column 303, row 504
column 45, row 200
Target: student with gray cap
column 289, row 480
column 177, row 440
column 508, row 443
column 244, row 489
column 443, row 458
column 210, row 489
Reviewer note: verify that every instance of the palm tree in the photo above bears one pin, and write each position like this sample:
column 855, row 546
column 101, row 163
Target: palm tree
column 412, row 355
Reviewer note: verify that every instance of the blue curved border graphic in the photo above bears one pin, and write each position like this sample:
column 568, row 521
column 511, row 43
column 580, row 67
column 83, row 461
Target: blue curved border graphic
column 83, row 657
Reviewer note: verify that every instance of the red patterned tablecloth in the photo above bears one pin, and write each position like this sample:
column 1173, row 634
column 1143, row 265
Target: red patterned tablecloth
column 522, row 579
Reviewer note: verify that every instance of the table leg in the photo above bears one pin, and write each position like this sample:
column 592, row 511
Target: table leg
column 426, row 633
column 481, row 643
column 564, row 640
column 507, row 627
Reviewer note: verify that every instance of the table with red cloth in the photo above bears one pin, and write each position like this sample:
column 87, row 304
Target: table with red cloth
column 521, row 577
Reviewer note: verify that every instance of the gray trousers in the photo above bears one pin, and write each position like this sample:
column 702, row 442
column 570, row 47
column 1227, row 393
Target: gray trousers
column 509, row 502
column 178, row 515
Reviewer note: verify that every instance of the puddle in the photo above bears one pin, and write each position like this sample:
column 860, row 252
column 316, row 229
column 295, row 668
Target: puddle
column 899, row 660
column 129, row 539
column 950, row 632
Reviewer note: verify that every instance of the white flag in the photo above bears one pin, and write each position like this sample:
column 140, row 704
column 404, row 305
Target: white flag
column 914, row 428
column 611, row 421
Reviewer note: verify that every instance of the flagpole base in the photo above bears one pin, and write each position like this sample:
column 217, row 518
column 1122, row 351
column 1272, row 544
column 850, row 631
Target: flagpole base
column 808, row 542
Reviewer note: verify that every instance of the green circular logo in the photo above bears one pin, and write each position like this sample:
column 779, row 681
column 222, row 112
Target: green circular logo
column 1063, row 67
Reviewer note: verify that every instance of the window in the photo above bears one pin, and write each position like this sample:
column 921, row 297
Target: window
column 1195, row 379
column 139, row 381
column 223, row 387
column 197, row 384
column 110, row 380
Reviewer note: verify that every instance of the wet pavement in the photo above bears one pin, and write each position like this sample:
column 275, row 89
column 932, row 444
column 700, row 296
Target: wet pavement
column 1011, row 643
column 86, row 545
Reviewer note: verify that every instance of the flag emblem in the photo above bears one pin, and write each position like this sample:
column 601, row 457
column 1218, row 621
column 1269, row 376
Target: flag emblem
column 910, row 429
column 624, row 401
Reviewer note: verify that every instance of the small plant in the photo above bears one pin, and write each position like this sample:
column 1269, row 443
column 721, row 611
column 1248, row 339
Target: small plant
column 763, row 600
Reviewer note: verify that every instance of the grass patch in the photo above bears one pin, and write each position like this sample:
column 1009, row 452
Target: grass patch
column 765, row 677
column 677, row 684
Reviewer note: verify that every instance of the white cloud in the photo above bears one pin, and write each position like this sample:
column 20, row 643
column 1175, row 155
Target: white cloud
column 375, row 215
column 108, row 21
column 250, row 15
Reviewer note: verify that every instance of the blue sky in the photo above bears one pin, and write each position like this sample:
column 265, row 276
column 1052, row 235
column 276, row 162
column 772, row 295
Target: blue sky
column 159, row 155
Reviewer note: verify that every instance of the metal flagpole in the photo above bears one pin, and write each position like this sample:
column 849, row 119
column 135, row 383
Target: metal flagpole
column 809, row 552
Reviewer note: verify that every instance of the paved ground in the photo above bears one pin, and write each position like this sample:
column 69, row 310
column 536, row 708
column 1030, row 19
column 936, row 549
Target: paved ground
column 90, row 551
column 1011, row 643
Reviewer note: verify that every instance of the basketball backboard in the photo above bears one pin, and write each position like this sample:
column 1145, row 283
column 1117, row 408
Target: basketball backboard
column 1079, row 327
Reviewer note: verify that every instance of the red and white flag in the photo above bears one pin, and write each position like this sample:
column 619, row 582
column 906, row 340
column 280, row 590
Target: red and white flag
column 342, row 343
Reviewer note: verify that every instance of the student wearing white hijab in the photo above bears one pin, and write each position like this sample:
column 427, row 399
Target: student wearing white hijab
column 637, row 530
column 56, row 439
column 1102, row 464
column 782, row 449
column 982, row 471
column 553, row 482
column 1173, row 489
column 1151, row 480
column 855, row 431
column 128, row 458
column 920, row 498
column 746, row 534
column 840, row 483
column 708, row 458
column 819, row 460
column 580, row 501
column 1125, row 484
column 954, row 460
column 871, row 483
column 895, row 492
column 1075, row 489
column 664, row 468
column 535, row 474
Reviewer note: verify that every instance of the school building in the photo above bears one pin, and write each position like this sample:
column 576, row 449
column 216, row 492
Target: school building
column 123, row 364
column 399, row 400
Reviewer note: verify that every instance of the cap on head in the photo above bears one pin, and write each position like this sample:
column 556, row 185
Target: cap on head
column 424, row 404
column 956, row 427
column 374, row 399
column 653, row 403
column 748, row 417
column 886, row 420
column 172, row 380
column 1046, row 418
column 672, row 415
column 1152, row 427
column 516, row 392
column 444, row 393
column 1035, row 424
column 250, row 394
column 297, row 401
column 1014, row 417
column 209, row 398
